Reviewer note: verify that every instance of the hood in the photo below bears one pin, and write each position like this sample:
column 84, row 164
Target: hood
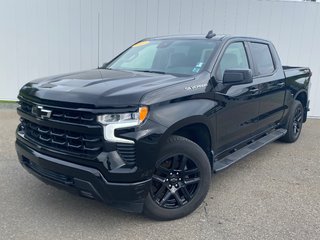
column 98, row 88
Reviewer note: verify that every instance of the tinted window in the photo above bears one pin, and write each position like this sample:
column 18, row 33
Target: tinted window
column 234, row 57
column 262, row 58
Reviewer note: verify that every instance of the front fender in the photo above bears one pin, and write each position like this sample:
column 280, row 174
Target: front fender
column 181, row 114
column 162, row 122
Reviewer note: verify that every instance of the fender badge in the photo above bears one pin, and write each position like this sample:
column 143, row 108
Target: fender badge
column 196, row 87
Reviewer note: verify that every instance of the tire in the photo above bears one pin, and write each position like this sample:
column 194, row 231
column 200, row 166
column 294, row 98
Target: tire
column 294, row 124
column 180, row 181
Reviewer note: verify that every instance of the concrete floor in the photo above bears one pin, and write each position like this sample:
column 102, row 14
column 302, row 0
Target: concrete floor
column 271, row 194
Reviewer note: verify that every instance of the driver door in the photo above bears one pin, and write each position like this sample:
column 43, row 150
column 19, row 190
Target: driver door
column 237, row 118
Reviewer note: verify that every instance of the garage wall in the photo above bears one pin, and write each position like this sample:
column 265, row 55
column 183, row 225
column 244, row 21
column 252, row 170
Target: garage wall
column 46, row 37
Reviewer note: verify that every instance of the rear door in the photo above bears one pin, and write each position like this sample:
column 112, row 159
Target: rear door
column 269, row 76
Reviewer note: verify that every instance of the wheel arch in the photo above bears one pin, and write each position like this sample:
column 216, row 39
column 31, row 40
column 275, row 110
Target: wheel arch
column 302, row 96
column 197, row 129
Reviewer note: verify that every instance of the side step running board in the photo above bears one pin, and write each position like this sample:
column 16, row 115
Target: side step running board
column 241, row 153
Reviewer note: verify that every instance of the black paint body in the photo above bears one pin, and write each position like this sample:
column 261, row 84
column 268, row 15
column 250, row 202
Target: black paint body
column 219, row 117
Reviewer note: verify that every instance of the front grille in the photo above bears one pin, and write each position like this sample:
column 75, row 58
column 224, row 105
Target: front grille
column 58, row 137
column 63, row 115
column 127, row 152
column 62, row 140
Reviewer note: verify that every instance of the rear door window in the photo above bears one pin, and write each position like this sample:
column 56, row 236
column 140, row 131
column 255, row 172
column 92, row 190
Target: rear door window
column 262, row 58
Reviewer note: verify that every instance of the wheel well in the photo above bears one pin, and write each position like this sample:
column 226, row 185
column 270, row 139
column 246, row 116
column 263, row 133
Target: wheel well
column 302, row 97
column 198, row 133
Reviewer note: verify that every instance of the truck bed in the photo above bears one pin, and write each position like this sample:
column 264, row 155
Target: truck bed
column 290, row 71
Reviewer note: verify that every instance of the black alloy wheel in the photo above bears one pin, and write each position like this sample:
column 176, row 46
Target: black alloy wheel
column 175, row 182
column 180, row 180
column 297, row 121
column 294, row 123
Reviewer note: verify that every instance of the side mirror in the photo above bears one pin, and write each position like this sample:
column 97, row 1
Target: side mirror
column 237, row 76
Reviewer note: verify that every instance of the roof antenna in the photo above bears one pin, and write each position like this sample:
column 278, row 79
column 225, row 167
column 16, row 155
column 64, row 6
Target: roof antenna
column 210, row 34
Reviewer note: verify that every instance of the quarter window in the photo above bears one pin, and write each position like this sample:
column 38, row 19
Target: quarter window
column 262, row 58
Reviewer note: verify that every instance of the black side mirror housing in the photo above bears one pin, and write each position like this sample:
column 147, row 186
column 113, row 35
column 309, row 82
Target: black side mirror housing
column 237, row 76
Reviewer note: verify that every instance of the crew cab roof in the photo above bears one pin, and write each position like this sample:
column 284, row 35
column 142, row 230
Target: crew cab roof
column 203, row 36
column 187, row 36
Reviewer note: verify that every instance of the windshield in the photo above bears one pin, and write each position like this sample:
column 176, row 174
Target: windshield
column 177, row 57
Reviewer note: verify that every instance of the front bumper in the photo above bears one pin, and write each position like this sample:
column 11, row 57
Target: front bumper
column 83, row 180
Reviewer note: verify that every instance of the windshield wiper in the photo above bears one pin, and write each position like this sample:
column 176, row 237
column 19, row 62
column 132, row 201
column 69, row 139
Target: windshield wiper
column 150, row 71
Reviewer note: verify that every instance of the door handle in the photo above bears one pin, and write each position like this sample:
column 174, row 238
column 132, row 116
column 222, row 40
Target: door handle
column 253, row 90
column 281, row 84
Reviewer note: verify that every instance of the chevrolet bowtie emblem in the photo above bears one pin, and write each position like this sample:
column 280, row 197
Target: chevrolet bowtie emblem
column 40, row 112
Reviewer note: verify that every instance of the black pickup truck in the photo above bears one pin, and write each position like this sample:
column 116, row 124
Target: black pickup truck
column 145, row 131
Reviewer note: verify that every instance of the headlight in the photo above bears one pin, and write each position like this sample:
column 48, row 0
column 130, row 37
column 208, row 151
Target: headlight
column 136, row 117
column 115, row 121
column 118, row 118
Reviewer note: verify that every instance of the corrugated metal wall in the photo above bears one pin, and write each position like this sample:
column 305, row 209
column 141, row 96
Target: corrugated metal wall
column 45, row 37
